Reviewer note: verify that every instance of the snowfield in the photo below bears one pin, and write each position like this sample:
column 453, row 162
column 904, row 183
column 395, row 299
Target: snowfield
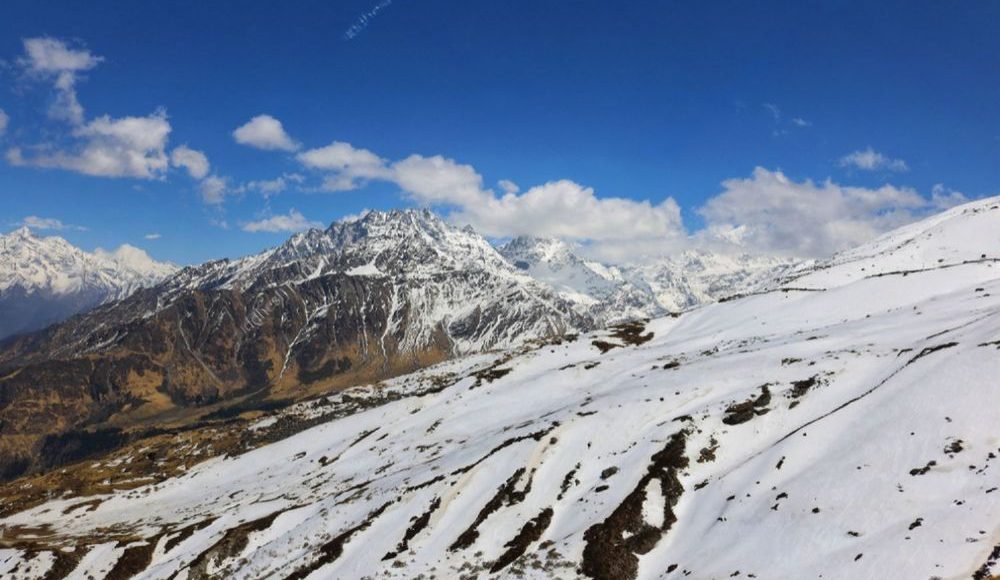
column 841, row 426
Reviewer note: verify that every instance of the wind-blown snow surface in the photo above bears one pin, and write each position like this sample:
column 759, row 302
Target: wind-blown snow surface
column 844, row 430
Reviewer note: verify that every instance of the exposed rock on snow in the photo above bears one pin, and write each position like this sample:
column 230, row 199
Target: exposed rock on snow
column 858, row 378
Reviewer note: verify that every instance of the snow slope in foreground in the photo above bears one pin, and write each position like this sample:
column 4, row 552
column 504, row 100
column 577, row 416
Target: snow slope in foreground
column 844, row 431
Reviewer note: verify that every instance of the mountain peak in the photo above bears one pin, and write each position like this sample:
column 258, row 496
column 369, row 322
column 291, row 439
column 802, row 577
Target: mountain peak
column 67, row 279
column 22, row 232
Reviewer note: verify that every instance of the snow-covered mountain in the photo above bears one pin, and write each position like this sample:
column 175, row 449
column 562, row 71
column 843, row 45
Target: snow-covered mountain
column 600, row 290
column 360, row 301
column 647, row 289
column 840, row 426
column 694, row 277
column 46, row 279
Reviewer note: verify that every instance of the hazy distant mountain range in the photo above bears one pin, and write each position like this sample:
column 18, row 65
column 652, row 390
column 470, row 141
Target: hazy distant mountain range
column 45, row 279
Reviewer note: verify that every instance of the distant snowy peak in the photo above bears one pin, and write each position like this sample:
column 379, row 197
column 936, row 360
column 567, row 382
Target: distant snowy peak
column 647, row 289
column 51, row 264
column 45, row 279
column 601, row 289
column 695, row 277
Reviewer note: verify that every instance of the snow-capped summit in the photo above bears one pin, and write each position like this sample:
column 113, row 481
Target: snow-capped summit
column 46, row 279
column 361, row 300
column 602, row 290
column 414, row 243
column 699, row 276
column 643, row 289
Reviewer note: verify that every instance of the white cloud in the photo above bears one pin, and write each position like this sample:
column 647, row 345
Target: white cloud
column 943, row 198
column 213, row 189
column 193, row 160
column 52, row 56
column 292, row 222
column 4, row 120
column 125, row 147
column 39, row 223
column 559, row 208
column 347, row 165
column 774, row 110
column 568, row 210
column 871, row 160
column 438, row 180
column 800, row 122
column 105, row 146
column 52, row 59
column 152, row 236
column 265, row 132
column 135, row 258
column 508, row 186
column 269, row 187
column 766, row 212
column 770, row 213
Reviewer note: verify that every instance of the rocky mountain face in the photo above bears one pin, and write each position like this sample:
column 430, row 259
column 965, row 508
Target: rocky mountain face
column 839, row 425
column 44, row 280
column 360, row 301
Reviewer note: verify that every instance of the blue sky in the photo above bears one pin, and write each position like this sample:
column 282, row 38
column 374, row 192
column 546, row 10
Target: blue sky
column 604, row 114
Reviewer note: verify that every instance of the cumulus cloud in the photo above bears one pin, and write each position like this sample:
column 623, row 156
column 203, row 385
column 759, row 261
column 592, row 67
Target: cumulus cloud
column 508, row 186
column 764, row 213
column 133, row 257
column 132, row 146
column 4, row 120
column 269, row 187
column 943, row 198
column 265, row 132
column 153, row 236
column 871, row 160
column 293, row 221
column 45, row 55
column 560, row 208
column 40, row 223
column 768, row 212
column 437, row 180
column 194, row 161
column 346, row 165
column 53, row 59
column 213, row 189
column 107, row 147
column 568, row 210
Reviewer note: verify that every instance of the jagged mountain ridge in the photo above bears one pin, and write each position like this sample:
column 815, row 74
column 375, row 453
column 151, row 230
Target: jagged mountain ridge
column 645, row 289
column 840, row 426
column 603, row 291
column 362, row 300
column 44, row 280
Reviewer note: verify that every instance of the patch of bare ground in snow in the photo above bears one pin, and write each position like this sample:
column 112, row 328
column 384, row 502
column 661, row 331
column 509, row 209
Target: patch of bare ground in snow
column 613, row 546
